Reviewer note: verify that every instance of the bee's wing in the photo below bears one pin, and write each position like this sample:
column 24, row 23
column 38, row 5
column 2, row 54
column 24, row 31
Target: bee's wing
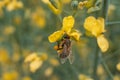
column 71, row 57
column 63, row 60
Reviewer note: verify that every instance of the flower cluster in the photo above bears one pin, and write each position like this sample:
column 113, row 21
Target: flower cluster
column 94, row 27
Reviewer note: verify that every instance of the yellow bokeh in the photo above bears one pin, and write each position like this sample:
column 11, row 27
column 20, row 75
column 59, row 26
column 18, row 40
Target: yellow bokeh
column 17, row 20
column 10, row 75
column 48, row 71
column 118, row 66
column 26, row 78
column 65, row 1
column 35, row 61
column 8, row 30
column 38, row 17
column 100, row 70
column 13, row 5
column 84, row 77
column 30, row 57
column 44, row 56
column 54, row 62
column 4, row 56
column 111, row 10
column 116, row 77
column 35, row 65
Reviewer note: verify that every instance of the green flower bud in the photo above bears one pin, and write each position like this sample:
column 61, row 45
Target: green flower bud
column 74, row 4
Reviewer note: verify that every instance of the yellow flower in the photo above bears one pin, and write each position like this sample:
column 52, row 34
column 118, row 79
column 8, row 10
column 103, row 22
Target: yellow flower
column 55, row 10
column 94, row 26
column 13, row 5
column 10, row 75
column 30, row 57
column 68, row 23
column 35, row 61
column 35, row 65
column 102, row 43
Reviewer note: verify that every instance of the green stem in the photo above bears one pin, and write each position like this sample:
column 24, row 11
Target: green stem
column 105, row 66
column 112, row 22
column 105, row 9
column 60, row 18
column 96, row 59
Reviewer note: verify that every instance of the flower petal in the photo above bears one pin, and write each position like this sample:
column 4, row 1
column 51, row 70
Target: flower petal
column 89, row 23
column 100, row 21
column 68, row 23
column 95, row 26
column 102, row 43
column 75, row 34
column 55, row 36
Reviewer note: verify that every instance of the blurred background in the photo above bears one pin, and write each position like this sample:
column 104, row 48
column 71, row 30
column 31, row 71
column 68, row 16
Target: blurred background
column 24, row 29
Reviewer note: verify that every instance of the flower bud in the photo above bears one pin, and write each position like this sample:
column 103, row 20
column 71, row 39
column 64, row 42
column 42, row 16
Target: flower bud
column 74, row 4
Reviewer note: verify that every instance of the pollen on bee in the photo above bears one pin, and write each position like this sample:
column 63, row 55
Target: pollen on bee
column 56, row 47
column 59, row 51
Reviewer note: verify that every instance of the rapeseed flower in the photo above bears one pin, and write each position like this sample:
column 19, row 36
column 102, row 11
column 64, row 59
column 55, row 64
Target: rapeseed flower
column 55, row 6
column 96, row 27
column 35, row 61
column 67, row 28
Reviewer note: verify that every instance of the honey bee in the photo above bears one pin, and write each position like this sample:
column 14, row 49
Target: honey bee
column 64, row 49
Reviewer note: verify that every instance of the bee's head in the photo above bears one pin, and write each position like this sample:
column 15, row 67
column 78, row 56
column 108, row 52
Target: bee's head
column 66, row 36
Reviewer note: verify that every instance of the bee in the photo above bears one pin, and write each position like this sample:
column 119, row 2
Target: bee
column 64, row 49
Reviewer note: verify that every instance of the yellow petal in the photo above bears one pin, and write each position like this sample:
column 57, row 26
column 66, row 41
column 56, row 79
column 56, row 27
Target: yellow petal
column 68, row 23
column 89, row 23
column 102, row 43
column 55, row 36
column 75, row 34
column 95, row 26
column 101, row 23
column 55, row 10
